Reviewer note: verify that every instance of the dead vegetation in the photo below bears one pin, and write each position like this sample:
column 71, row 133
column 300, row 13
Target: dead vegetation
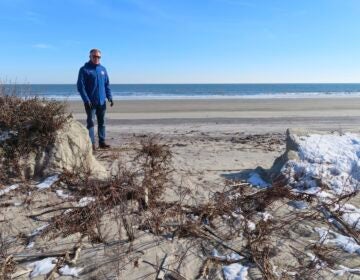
column 7, row 263
column 132, row 201
column 266, row 141
column 27, row 124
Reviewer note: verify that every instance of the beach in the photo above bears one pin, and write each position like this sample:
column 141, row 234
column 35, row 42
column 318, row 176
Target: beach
column 248, row 114
column 217, row 139
column 220, row 143
column 209, row 140
column 218, row 149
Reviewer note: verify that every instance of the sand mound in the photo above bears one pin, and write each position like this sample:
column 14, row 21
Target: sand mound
column 71, row 151
column 288, row 230
column 314, row 162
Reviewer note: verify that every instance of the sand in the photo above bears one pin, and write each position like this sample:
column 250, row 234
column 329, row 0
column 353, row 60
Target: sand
column 249, row 115
column 212, row 141
column 223, row 138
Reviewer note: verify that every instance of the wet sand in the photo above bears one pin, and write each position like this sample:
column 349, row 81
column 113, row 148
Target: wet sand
column 248, row 115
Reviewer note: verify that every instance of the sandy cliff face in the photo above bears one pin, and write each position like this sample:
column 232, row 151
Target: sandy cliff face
column 71, row 151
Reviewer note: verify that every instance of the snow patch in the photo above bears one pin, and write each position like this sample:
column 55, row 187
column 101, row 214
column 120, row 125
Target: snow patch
column 33, row 235
column 344, row 269
column 346, row 243
column 331, row 160
column 256, row 180
column 319, row 263
column 235, row 271
column 47, row 183
column 266, row 216
column 251, row 225
column 8, row 189
column 38, row 230
column 62, row 194
column 70, row 271
column 85, row 201
column 42, row 267
column 231, row 257
column 350, row 214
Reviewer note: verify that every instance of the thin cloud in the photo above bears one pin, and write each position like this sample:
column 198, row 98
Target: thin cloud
column 42, row 46
column 142, row 11
column 153, row 10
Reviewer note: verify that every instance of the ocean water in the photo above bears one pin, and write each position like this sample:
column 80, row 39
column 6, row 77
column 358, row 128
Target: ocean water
column 199, row 91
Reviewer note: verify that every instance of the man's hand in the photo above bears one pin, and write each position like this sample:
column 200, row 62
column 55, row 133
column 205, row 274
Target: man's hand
column 111, row 102
column 88, row 105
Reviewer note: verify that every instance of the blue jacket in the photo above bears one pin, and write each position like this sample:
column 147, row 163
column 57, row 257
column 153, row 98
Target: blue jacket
column 93, row 84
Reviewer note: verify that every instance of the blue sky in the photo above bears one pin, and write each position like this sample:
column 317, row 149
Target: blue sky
column 182, row 41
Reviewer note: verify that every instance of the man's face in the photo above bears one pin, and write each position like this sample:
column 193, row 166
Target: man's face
column 95, row 57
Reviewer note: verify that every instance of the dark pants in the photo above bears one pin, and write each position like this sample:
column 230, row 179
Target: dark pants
column 99, row 111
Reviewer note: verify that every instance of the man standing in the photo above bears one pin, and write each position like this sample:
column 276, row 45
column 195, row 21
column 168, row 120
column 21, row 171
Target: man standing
column 93, row 86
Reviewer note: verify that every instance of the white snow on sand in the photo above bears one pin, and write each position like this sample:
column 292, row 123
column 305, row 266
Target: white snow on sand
column 332, row 159
column 235, row 271
column 85, row 201
column 62, row 194
column 266, row 216
column 326, row 161
column 38, row 230
column 344, row 269
column 33, row 235
column 47, row 183
column 42, row 267
column 250, row 224
column 346, row 243
column 319, row 263
column 231, row 257
column 256, row 180
column 46, row 265
column 350, row 214
column 70, row 271
column 8, row 189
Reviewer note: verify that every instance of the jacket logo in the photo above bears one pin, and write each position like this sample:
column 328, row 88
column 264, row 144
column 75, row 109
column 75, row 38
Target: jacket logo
column 102, row 73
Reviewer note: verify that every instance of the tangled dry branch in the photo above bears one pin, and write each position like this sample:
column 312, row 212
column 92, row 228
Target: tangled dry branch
column 27, row 124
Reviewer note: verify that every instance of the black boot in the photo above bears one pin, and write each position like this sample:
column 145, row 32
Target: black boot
column 104, row 145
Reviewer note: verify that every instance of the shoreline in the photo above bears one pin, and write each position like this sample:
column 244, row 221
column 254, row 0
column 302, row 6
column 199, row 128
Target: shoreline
column 248, row 115
column 227, row 105
column 77, row 98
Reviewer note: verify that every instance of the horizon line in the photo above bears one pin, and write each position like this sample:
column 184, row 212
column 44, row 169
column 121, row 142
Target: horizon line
column 231, row 83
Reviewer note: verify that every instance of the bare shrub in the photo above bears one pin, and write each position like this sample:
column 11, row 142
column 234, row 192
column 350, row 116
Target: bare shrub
column 7, row 263
column 154, row 160
column 133, row 199
column 27, row 124
column 149, row 178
